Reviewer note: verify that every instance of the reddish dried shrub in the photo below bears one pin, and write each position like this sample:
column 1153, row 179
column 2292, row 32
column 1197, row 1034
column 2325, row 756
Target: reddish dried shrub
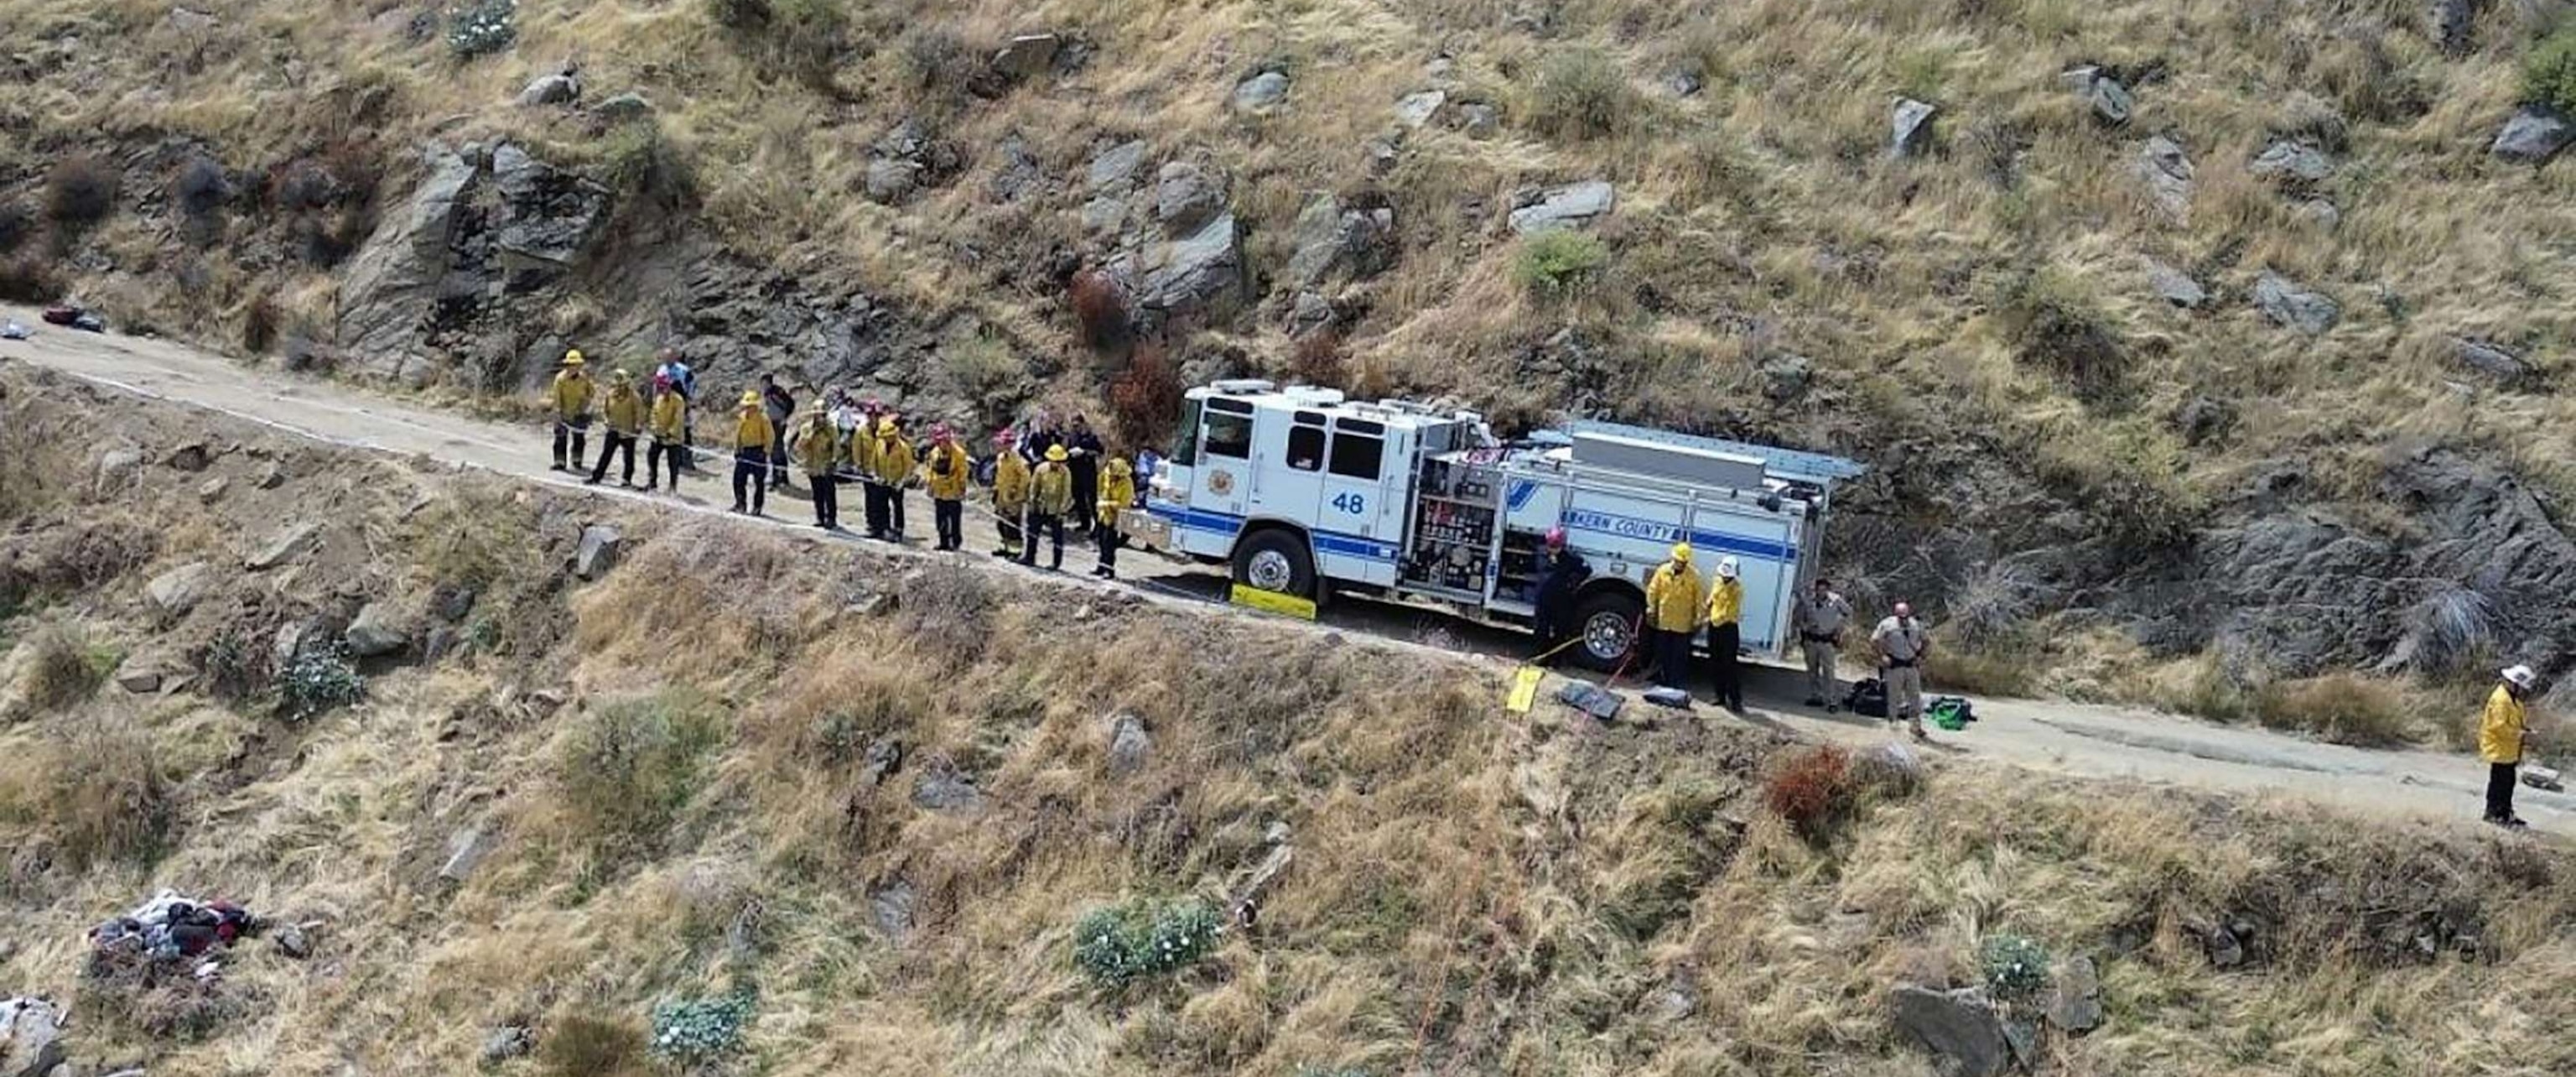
column 1810, row 789
column 1100, row 305
column 1145, row 398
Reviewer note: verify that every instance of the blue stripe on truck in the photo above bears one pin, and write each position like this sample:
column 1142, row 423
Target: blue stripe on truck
column 1228, row 525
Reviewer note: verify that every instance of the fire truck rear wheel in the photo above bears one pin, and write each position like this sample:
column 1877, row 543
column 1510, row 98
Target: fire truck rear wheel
column 1607, row 620
column 1276, row 561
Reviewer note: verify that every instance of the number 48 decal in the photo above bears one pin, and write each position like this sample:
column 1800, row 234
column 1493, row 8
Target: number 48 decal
column 1351, row 504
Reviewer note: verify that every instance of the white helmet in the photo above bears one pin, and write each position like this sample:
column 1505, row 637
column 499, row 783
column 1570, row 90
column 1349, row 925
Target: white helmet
column 1726, row 568
column 2521, row 677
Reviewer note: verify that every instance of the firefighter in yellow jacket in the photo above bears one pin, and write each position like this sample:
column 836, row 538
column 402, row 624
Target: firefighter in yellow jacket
column 1117, row 491
column 623, row 411
column 752, row 436
column 817, row 445
column 946, row 471
column 1010, row 493
column 570, row 397
column 2500, row 741
column 1051, row 497
column 890, row 468
column 1672, row 615
column 1726, row 634
column 670, row 426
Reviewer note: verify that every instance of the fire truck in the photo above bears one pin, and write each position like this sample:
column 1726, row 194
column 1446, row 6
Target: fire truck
column 1306, row 494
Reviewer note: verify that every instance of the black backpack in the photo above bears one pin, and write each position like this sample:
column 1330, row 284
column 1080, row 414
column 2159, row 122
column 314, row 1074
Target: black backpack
column 1868, row 697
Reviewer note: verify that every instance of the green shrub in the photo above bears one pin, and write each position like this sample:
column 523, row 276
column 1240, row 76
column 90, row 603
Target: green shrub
column 641, row 161
column 699, row 1031
column 2549, row 71
column 233, row 667
column 1124, row 943
column 1582, row 93
column 483, row 28
column 1561, row 263
column 317, row 681
column 63, row 669
column 629, row 767
column 2015, row 967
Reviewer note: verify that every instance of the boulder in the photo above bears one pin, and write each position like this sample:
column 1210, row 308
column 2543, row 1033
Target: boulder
column 212, row 490
column 2321, row 212
column 1910, row 127
column 2110, row 101
column 2075, row 1003
column 403, row 267
column 31, row 1037
column 191, row 21
column 2491, row 360
column 1417, row 109
column 2452, row 23
column 1786, row 376
column 2534, row 135
column 190, row 456
column 1381, row 156
column 624, row 108
column 597, row 553
column 892, row 907
column 1027, row 56
column 378, row 631
column 2175, row 286
column 2292, row 162
column 1328, row 238
column 1201, row 271
column 891, row 180
column 272, row 476
column 1116, row 166
column 943, row 789
column 1261, row 93
column 142, row 675
column 1575, row 206
column 292, row 942
column 1681, row 83
column 560, row 88
column 1310, row 313
column 1959, row 1027
column 466, row 851
column 115, row 466
column 180, row 589
column 2168, row 173
column 1185, row 196
column 506, row 1043
column 1104, row 215
column 2294, row 307
column 1129, row 743
column 302, row 636
column 286, row 546
column 1480, row 121
column 549, row 217
column 1018, row 173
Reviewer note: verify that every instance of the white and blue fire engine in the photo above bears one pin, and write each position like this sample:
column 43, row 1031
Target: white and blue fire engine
column 1306, row 493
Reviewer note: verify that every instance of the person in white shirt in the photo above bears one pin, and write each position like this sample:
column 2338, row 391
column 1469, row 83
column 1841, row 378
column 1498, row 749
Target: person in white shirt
column 1819, row 618
column 1902, row 641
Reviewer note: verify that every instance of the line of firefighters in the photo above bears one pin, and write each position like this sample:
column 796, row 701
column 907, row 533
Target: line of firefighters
column 1045, row 481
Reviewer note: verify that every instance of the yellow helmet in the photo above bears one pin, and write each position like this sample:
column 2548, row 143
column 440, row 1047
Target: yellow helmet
column 1057, row 455
column 572, row 358
column 621, row 375
column 1681, row 553
column 750, row 398
column 886, row 426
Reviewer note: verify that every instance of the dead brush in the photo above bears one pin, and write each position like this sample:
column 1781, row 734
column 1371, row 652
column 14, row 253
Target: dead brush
column 97, row 792
column 62, row 669
column 1811, row 789
column 948, row 610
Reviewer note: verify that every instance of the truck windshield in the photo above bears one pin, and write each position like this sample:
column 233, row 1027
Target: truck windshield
column 1185, row 446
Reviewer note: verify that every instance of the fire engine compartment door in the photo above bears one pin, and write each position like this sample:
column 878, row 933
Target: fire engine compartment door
column 1359, row 525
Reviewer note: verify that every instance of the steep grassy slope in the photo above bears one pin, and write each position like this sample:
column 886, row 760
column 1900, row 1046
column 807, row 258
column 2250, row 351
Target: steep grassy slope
column 879, row 796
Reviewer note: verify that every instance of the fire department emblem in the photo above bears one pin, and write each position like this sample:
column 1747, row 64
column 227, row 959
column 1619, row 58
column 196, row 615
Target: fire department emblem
column 1221, row 483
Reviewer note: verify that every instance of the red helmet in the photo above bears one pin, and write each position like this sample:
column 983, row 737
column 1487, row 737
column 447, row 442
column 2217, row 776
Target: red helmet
column 1556, row 538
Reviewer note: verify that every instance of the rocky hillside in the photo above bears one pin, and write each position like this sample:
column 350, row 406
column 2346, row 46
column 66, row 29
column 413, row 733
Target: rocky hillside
column 2195, row 347
column 528, row 783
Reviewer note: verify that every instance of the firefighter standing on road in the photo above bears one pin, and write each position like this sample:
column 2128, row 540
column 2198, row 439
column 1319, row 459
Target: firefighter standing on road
column 2500, row 742
column 895, row 465
column 1051, row 498
column 670, row 425
column 817, row 445
column 1672, row 614
column 1818, row 618
column 946, row 471
column 1901, row 641
column 571, row 398
column 1010, row 494
column 752, row 436
column 624, row 414
column 1726, row 635
column 1562, row 571
column 1117, row 488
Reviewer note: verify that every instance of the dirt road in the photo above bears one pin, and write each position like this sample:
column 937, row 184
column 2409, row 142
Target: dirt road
column 2058, row 737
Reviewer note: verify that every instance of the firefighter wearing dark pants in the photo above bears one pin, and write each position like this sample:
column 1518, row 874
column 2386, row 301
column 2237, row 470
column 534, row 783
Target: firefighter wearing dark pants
column 1051, row 496
column 1562, row 571
column 895, row 465
column 570, row 396
column 1901, row 641
column 1010, row 495
column 1117, row 490
column 752, row 436
column 670, row 435
column 624, row 414
column 1726, row 635
column 945, row 472
column 1672, row 614
column 2501, row 730
column 863, row 465
column 817, row 445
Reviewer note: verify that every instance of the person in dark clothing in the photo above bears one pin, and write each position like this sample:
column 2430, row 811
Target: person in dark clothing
column 781, row 406
column 1085, row 449
column 1562, row 571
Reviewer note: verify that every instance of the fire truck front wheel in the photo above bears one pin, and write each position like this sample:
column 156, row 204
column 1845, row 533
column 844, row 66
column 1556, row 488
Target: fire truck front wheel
column 1277, row 561
column 1608, row 620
